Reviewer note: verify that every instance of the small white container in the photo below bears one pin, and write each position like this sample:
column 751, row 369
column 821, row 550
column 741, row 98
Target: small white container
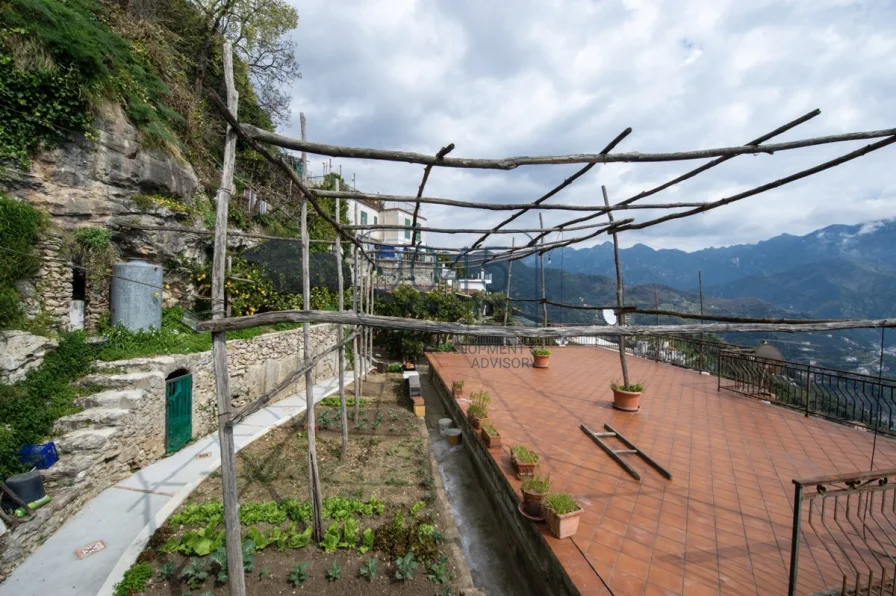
column 453, row 435
column 444, row 424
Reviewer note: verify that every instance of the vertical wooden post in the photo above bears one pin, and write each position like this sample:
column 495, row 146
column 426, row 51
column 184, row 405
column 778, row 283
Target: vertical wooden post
column 362, row 347
column 507, row 291
column 544, row 305
column 656, row 301
column 702, row 322
column 620, row 293
column 370, row 305
column 219, row 347
column 313, row 477
column 304, row 155
column 340, row 334
column 356, row 360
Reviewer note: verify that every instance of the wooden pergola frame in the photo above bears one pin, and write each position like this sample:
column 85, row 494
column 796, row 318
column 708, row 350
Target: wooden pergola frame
column 361, row 318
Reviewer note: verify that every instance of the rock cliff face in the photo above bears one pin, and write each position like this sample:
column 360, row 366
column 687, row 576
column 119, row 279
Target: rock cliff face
column 93, row 183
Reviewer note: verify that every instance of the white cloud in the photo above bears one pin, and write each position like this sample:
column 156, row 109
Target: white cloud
column 568, row 76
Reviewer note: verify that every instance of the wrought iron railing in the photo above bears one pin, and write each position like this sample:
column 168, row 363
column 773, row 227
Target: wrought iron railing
column 834, row 394
column 844, row 534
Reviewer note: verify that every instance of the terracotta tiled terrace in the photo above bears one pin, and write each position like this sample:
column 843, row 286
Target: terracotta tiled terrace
column 721, row 526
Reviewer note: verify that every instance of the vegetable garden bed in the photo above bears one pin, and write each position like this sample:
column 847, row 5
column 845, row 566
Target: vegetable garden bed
column 378, row 505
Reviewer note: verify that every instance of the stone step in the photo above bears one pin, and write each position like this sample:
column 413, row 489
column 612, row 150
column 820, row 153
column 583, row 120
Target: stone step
column 152, row 364
column 85, row 439
column 69, row 470
column 113, row 398
column 92, row 417
column 146, row 380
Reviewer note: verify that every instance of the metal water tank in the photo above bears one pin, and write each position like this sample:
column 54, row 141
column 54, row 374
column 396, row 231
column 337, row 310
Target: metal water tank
column 137, row 295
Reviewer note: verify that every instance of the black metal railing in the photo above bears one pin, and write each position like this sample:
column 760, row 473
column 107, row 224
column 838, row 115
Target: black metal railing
column 686, row 351
column 834, row 394
column 844, row 534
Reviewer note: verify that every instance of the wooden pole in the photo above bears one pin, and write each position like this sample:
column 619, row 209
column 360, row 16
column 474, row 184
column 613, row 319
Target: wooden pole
column 313, row 476
column 362, row 347
column 507, row 303
column 700, row 286
column 620, row 293
column 233, row 540
column 544, row 305
column 370, row 310
column 343, row 414
column 304, row 155
column 656, row 300
column 356, row 356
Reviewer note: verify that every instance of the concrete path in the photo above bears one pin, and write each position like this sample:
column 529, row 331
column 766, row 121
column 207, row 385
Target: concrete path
column 124, row 516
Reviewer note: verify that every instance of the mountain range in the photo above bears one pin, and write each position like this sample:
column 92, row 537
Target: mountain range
column 836, row 272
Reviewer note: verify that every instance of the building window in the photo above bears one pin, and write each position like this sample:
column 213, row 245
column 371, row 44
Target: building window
column 417, row 235
column 363, row 218
column 407, row 233
column 374, row 220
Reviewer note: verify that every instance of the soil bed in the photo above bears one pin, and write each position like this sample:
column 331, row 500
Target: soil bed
column 387, row 459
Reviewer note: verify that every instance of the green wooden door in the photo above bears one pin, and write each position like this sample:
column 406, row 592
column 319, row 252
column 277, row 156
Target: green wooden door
column 178, row 412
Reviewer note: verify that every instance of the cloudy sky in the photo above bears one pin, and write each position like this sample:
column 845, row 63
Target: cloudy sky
column 522, row 78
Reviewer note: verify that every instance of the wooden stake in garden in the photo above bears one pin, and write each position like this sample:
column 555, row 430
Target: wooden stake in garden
column 343, row 414
column 356, row 364
column 620, row 294
column 313, row 477
column 544, row 304
column 370, row 305
column 219, row 346
column 507, row 304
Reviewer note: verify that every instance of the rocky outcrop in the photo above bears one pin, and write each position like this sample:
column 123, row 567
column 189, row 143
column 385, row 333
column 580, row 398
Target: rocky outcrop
column 20, row 352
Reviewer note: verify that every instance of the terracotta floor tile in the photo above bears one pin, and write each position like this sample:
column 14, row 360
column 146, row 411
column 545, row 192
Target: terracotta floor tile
column 726, row 515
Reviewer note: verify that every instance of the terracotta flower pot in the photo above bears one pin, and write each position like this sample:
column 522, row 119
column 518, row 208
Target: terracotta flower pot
column 477, row 422
column 491, row 441
column 532, row 502
column 522, row 469
column 627, row 401
column 542, row 361
column 563, row 526
column 458, row 393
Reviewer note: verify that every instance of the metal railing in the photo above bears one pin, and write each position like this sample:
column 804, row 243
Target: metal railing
column 844, row 534
column 837, row 395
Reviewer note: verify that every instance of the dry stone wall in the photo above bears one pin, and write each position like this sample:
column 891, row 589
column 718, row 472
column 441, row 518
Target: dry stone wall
column 123, row 426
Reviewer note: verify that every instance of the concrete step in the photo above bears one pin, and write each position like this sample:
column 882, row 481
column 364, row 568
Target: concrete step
column 92, row 417
column 146, row 380
column 151, row 364
column 113, row 398
column 85, row 439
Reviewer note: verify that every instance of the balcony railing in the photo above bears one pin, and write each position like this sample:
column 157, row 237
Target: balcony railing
column 834, row 394
column 844, row 534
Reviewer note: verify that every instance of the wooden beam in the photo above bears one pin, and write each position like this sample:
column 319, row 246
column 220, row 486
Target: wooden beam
column 509, row 163
column 499, row 206
column 343, row 411
column 383, row 322
column 620, row 294
column 233, row 543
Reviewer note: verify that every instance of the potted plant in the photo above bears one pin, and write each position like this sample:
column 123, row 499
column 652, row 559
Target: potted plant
column 524, row 460
column 490, row 436
column 534, row 491
column 478, row 410
column 562, row 513
column 457, row 389
column 542, row 357
column 627, row 397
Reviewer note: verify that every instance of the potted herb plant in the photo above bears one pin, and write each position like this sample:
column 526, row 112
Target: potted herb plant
column 478, row 410
column 534, row 490
column 627, row 397
column 457, row 389
column 524, row 460
column 562, row 513
column 542, row 357
column 490, row 436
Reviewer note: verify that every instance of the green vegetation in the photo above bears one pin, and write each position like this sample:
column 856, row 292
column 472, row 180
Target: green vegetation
column 481, row 401
column 276, row 512
column 333, row 401
column 334, row 572
column 298, row 575
column 560, row 503
column 404, row 567
column 438, row 571
column 194, row 573
column 134, row 580
column 173, row 338
column 541, row 352
column 523, row 454
column 490, row 430
column 20, row 224
column 631, row 387
column 538, row 485
column 394, row 367
column 369, row 569
column 29, row 408
column 409, row 303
